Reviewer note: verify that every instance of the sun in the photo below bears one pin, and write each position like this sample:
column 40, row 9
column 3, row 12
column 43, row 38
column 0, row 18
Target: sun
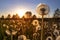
column 21, row 12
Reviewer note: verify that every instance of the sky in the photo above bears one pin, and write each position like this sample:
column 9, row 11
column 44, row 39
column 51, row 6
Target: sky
column 11, row 6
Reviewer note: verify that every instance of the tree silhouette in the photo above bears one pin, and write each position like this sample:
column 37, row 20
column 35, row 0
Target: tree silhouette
column 2, row 16
column 15, row 16
column 9, row 16
column 57, row 13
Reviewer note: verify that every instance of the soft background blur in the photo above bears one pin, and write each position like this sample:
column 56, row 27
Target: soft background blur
column 12, row 6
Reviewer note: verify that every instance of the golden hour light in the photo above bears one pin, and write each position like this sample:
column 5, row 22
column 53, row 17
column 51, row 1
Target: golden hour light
column 29, row 20
column 21, row 12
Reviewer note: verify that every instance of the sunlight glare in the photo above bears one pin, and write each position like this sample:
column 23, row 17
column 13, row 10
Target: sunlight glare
column 21, row 12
